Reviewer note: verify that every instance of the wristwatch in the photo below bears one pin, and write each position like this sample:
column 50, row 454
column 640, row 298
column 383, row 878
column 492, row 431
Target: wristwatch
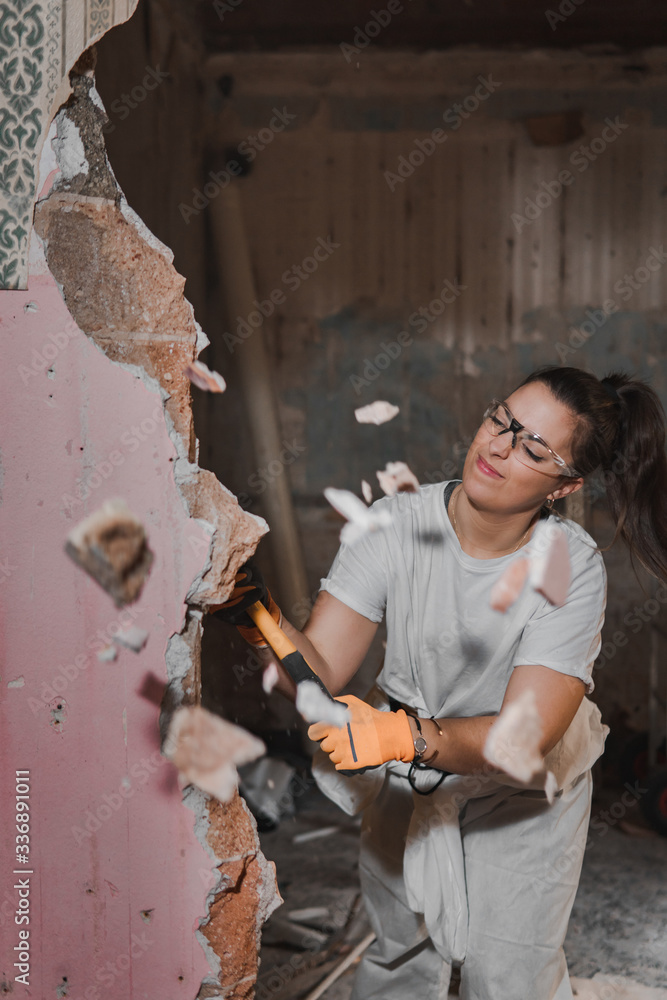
column 420, row 743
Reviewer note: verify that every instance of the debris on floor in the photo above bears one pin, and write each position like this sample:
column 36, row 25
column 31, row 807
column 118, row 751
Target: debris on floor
column 202, row 376
column 111, row 546
column 320, row 879
column 206, row 749
column 323, row 831
column 286, row 932
column 397, row 478
column 378, row 412
column 314, row 706
column 342, row 966
column 360, row 519
column 308, row 915
column 603, row 987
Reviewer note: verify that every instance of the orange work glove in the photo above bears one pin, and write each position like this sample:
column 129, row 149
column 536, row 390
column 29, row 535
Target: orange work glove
column 370, row 738
column 249, row 587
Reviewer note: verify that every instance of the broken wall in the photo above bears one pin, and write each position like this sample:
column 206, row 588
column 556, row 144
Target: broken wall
column 131, row 886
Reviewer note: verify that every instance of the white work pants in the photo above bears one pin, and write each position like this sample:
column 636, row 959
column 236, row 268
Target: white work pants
column 522, row 859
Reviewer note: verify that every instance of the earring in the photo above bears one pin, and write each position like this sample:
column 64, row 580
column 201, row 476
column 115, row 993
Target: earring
column 549, row 503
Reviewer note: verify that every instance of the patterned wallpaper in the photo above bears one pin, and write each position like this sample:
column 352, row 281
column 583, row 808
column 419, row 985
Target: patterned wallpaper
column 40, row 40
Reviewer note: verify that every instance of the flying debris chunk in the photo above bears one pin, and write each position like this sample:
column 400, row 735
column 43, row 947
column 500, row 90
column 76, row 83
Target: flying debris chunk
column 550, row 571
column 513, row 742
column 546, row 564
column 378, row 412
column 397, row 478
column 111, row 545
column 270, row 678
column 132, row 638
column 202, row 376
column 206, row 750
column 314, row 706
column 366, row 491
column 361, row 518
column 107, row 654
column 505, row 592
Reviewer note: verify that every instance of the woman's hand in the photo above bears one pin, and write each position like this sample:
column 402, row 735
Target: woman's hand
column 249, row 588
column 370, row 738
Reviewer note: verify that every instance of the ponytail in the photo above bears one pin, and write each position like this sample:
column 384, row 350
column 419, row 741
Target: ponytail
column 620, row 430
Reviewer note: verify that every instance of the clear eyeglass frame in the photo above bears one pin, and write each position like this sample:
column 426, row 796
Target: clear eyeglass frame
column 498, row 419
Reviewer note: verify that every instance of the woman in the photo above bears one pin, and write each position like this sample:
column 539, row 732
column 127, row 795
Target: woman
column 459, row 863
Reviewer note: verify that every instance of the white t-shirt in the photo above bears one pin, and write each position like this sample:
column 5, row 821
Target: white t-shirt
column 448, row 653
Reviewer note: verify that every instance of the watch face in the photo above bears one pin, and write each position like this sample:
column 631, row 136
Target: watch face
column 420, row 745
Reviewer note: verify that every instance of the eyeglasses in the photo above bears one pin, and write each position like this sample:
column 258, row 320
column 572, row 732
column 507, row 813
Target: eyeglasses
column 532, row 450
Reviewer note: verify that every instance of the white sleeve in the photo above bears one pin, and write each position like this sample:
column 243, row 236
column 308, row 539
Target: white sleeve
column 568, row 639
column 359, row 574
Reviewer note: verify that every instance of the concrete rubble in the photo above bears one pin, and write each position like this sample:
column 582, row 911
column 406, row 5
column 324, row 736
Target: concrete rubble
column 360, row 519
column 506, row 591
column 314, row 706
column 111, row 545
column 206, row 749
column 202, row 376
column 396, row 477
column 379, row 412
column 513, row 742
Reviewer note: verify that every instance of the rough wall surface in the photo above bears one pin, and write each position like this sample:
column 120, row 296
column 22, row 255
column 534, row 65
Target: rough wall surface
column 119, row 873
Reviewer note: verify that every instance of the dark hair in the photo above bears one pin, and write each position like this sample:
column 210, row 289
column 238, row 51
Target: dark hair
column 620, row 430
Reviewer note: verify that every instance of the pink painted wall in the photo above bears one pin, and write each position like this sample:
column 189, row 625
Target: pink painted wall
column 88, row 890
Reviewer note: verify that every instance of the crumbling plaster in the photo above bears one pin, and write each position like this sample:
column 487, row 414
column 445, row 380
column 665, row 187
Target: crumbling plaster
column 100, row 408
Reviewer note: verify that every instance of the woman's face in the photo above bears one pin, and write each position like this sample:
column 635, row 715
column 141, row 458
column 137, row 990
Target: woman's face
column 493, row 476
